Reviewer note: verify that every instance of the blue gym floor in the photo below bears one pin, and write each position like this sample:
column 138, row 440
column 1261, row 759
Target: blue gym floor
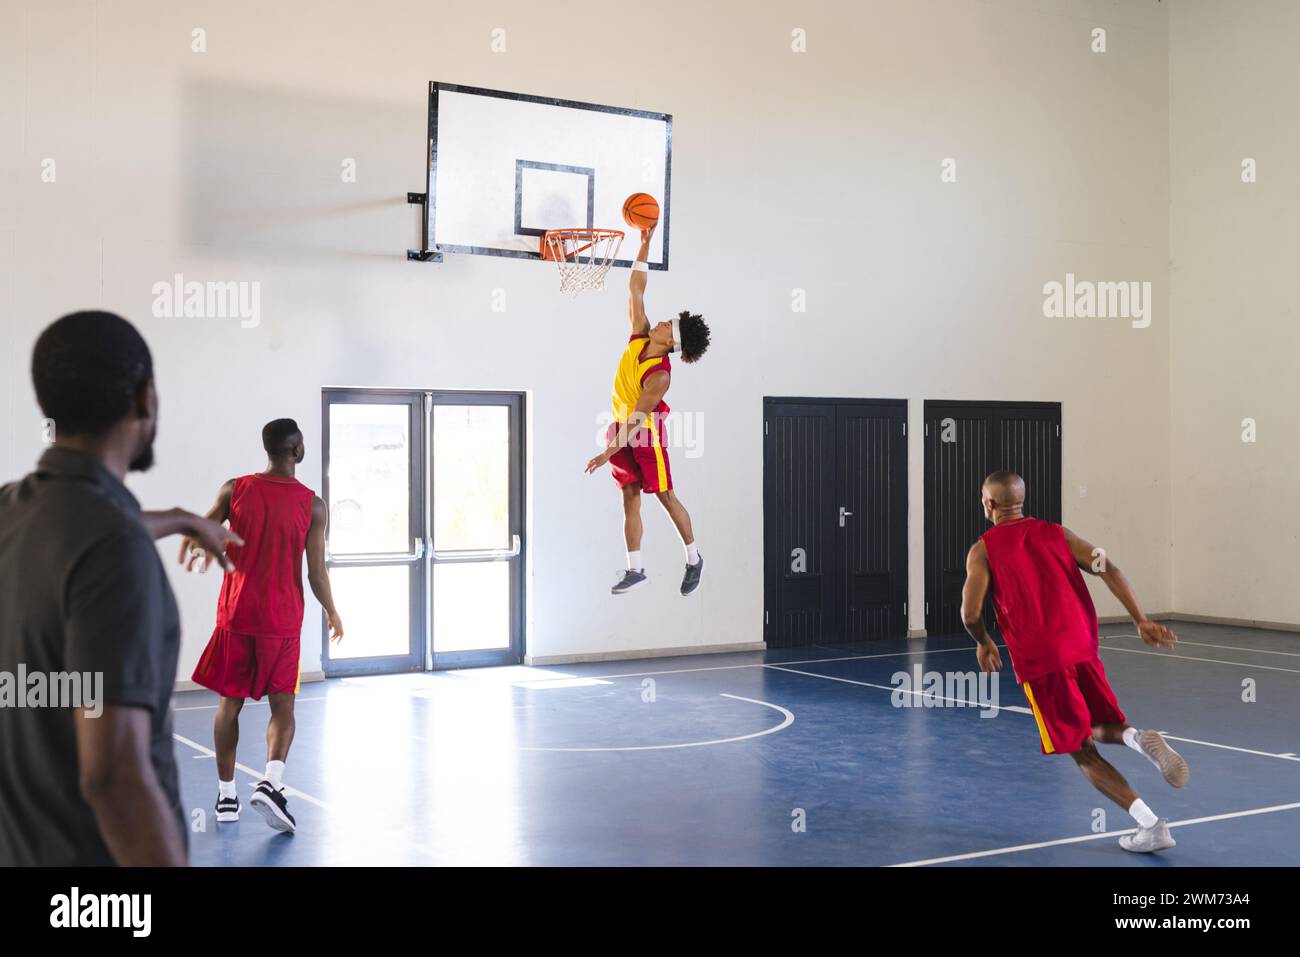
column 575, row 765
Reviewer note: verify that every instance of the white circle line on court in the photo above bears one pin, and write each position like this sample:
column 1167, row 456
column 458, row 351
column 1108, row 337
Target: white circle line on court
column 785, row 723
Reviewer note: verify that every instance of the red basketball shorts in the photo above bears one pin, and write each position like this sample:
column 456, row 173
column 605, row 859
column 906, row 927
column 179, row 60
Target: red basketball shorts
column 645, row 457
column 242, row 666
column 1067, row 703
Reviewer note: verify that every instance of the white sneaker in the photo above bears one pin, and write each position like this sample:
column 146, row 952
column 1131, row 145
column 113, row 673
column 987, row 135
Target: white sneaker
column 1171, row 764
column 1148, row 839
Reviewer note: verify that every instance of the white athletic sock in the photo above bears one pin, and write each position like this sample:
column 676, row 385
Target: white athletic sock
column 1143, row 814
column 274, row 773
column 692, row 554
column 226, row 789
column 1131, row 739
column 634, row 561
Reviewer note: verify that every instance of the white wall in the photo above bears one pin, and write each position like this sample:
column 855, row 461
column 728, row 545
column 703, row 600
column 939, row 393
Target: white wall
column 818, row 171
column 1233, row 80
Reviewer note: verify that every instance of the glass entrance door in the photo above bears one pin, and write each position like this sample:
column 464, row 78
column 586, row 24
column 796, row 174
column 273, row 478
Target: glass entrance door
column 374, row 475
column 425, row 492
column 476, row 450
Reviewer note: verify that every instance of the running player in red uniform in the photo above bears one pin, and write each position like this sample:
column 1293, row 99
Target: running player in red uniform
column 254, row 650
column 1049, row 623
column 636, row 443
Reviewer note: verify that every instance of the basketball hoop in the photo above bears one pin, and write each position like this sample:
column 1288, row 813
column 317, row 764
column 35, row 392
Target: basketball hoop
column 583, row 255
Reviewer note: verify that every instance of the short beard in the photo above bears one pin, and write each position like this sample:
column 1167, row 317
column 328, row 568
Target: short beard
column 143, row 460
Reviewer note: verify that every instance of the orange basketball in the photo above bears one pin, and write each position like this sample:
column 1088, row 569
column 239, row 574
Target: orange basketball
column 640, row 211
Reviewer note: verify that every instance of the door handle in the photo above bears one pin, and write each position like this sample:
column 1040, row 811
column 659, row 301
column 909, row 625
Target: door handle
column 491, row 554
column 844, row 513
column 378, row 558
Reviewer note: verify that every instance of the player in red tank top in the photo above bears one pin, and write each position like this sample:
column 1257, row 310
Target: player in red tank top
column 1047, row 617
column 254, row 650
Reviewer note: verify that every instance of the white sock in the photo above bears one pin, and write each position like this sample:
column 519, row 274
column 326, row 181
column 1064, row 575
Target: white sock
column 692, row 554
column 274, row 773
column 226, row 789
column 634, row 561
column 1143, row 814
column 1131, row 739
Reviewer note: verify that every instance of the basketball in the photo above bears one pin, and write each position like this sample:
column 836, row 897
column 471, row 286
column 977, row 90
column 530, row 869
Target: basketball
column 641, row 210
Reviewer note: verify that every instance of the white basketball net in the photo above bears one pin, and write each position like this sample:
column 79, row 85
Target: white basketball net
column 583, row 255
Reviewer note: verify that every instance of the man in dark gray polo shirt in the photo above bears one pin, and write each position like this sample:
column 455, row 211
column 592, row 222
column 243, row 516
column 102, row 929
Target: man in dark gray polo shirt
column 82, row 590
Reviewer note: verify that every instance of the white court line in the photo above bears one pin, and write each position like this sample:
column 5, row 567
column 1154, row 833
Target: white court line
column 867, row 684
column 789, row 720
column 1019, row 710
column 1288, row 756
column 758, row 664
column 255, row 775
column 1094, row 837
column 247, row 704
column 1202, row 644
column 1213, row 661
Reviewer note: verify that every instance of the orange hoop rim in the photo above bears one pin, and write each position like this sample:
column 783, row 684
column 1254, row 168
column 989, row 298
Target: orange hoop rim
column 580, row 234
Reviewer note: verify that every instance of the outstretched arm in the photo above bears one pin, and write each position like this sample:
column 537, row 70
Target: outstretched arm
column 203, row 542
column 651, row 393
column 318, row 575
column 973, row 595
column 636, row 288
column 1095, row 561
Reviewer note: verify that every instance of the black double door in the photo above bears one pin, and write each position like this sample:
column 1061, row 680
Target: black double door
column 964, row 442
column 835, row 520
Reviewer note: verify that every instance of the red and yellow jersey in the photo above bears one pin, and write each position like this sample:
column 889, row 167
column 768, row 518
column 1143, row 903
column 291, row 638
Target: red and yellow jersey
column 630, row 377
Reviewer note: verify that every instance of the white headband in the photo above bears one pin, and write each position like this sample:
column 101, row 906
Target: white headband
column 677, row 335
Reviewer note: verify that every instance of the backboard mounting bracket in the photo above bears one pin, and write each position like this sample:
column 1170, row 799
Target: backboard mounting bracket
column 422, row 255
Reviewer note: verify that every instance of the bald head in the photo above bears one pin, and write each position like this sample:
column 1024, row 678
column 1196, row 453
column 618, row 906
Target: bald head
column 1004, row 494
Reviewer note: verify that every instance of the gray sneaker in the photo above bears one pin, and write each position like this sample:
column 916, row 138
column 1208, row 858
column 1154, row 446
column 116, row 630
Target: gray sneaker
column 691, row 581
column 629, row 581
column 1171, row 764
column 1148, row 839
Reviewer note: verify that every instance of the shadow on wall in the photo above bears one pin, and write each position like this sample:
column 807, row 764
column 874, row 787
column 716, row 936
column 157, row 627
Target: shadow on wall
column 300, row 172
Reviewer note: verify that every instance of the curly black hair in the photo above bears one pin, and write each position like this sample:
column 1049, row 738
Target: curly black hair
column 88, row 368
column 695, row 336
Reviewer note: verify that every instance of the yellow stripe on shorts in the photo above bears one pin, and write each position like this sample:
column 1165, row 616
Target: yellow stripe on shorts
column 1042, row 728
column 660, row 467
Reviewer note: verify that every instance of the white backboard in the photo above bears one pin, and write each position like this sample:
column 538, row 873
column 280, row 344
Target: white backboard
column 505, row 167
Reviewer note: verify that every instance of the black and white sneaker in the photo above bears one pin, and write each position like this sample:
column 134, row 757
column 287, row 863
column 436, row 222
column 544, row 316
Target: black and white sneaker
column 227, row 809
column 273, row 806
column 691, row 581
column 631, row 579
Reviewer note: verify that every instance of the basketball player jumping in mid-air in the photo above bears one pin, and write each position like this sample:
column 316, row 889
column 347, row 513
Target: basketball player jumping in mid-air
column 1048, row 620
column 254, row 649
column 636, row 440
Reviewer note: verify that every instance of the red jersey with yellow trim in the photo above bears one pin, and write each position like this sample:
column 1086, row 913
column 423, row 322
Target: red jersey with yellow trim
column 1044, row 609
column 629, row 378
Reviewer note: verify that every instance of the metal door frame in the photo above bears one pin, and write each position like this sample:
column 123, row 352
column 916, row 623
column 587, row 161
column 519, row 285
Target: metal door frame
column 422, row 658
column 415, row 660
